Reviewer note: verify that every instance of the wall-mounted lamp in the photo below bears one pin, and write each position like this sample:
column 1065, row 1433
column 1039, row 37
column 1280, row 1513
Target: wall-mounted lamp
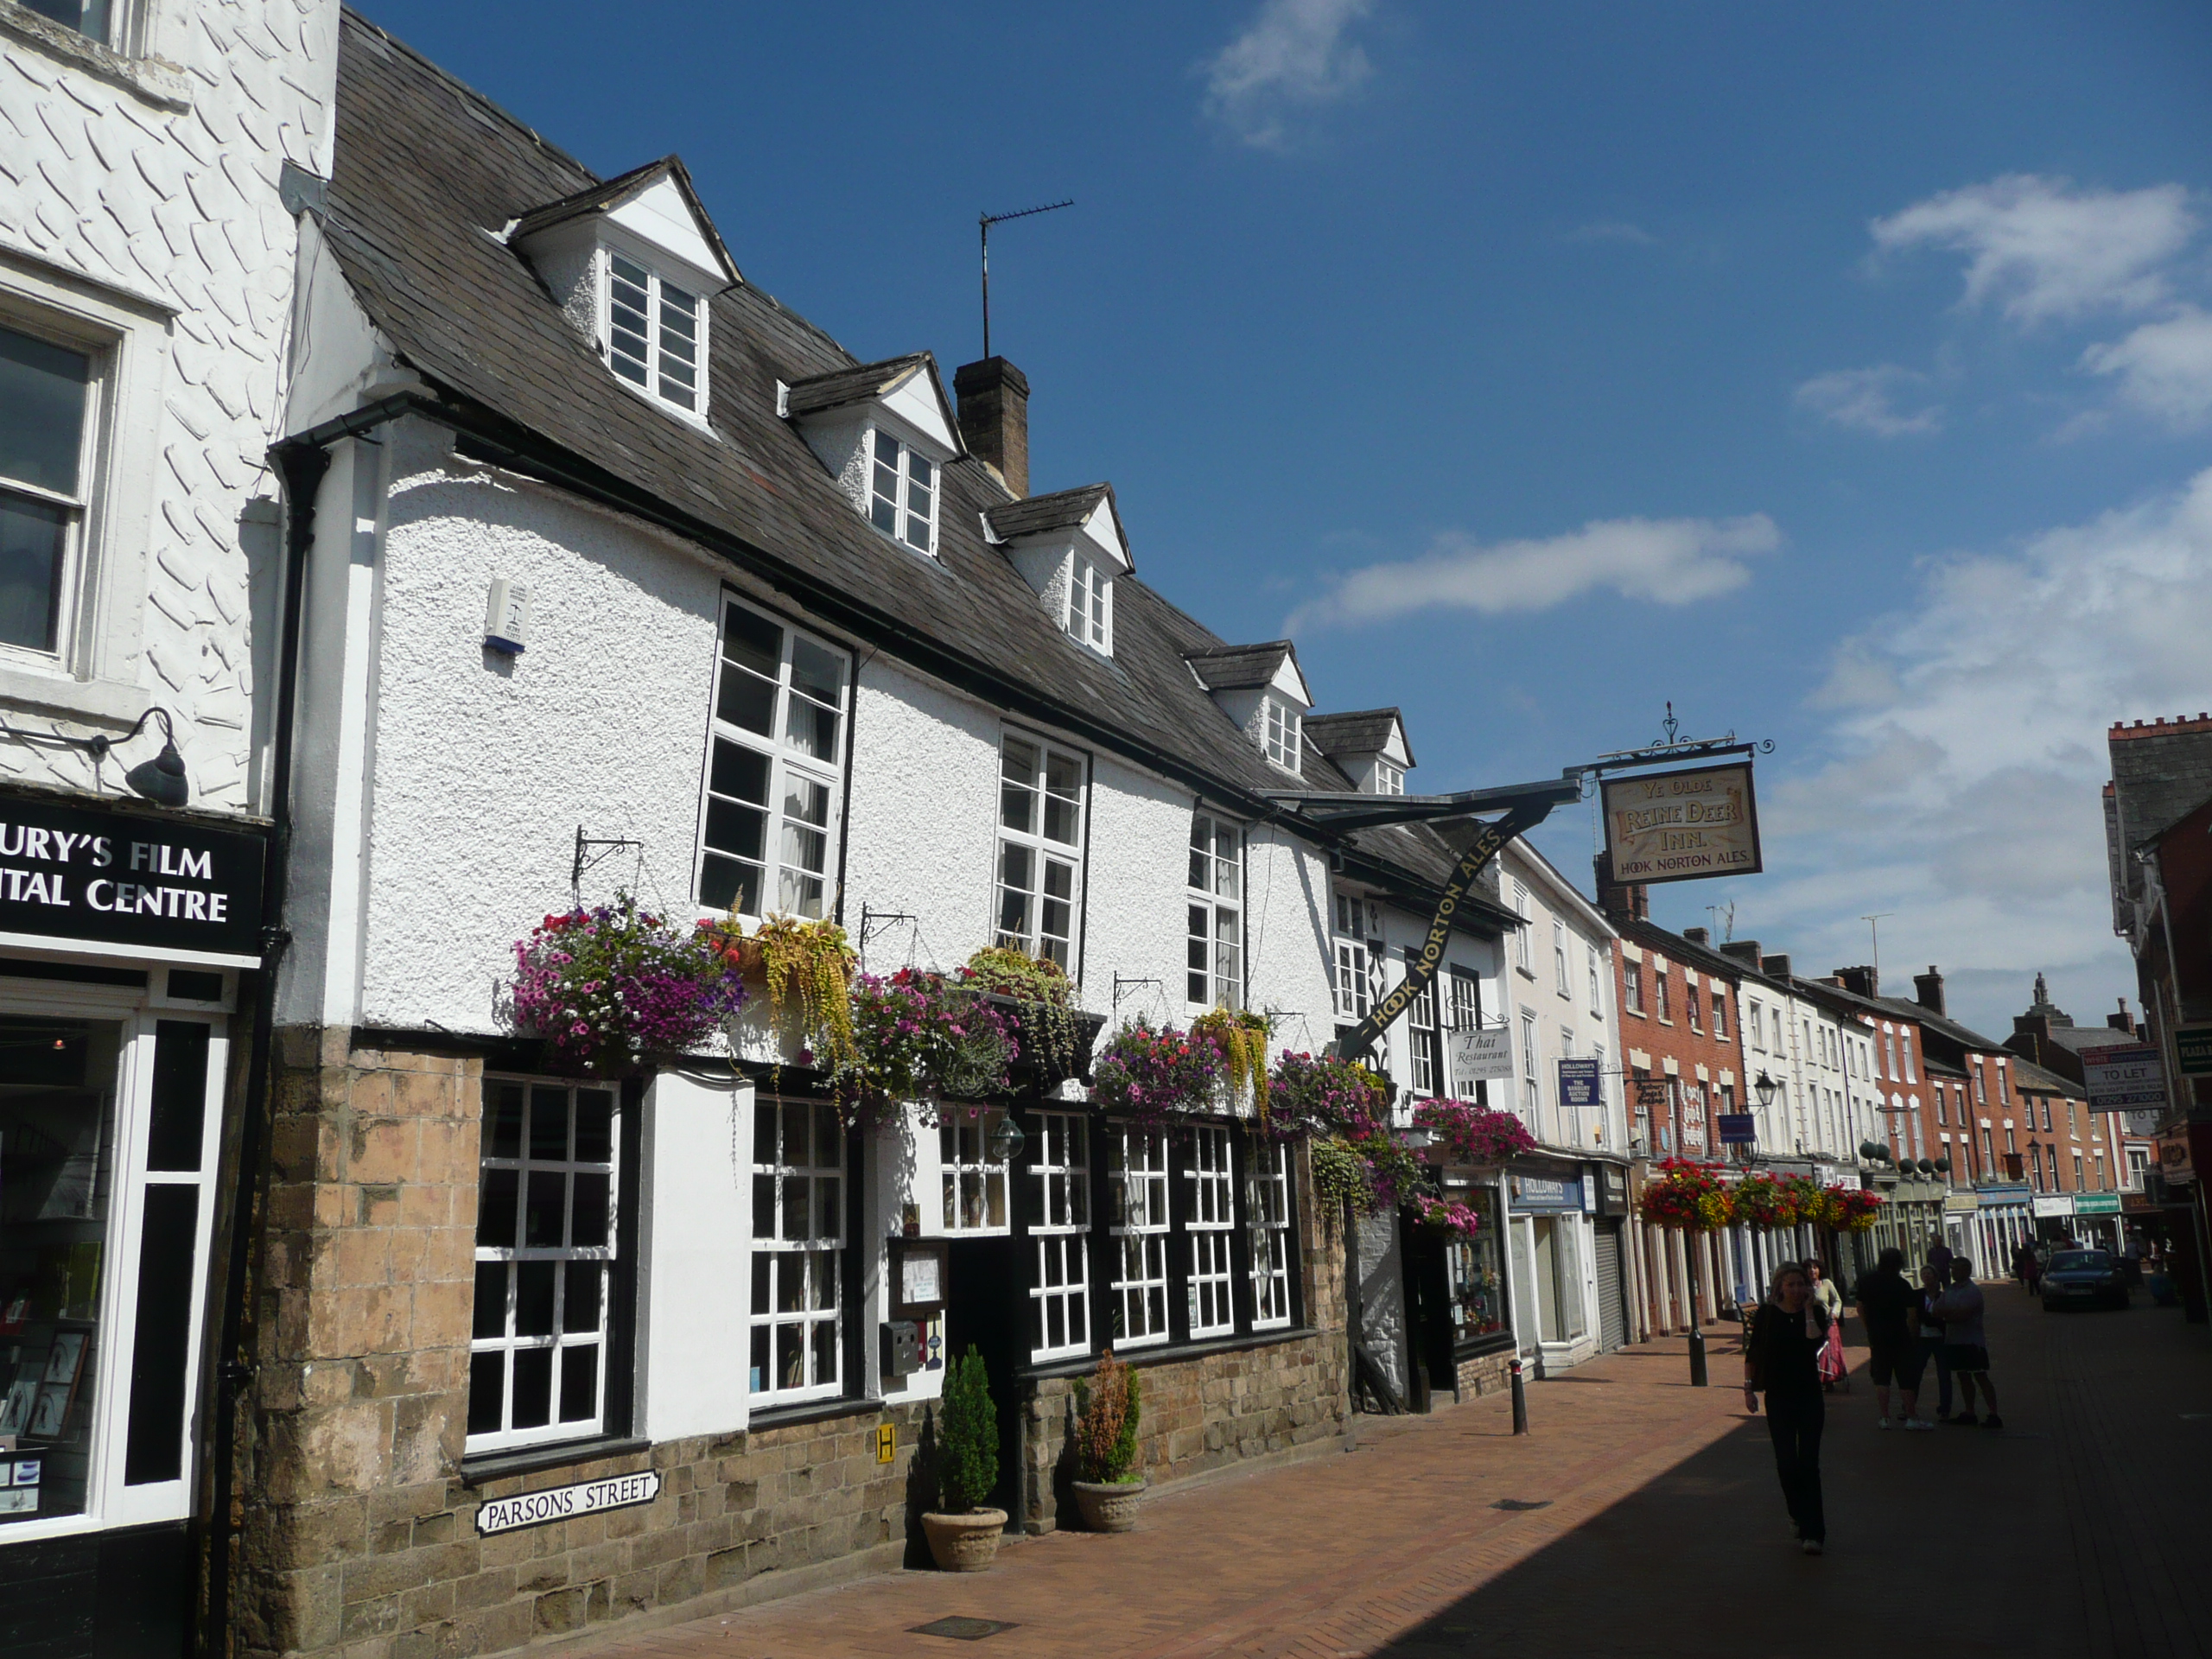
column 161, row 780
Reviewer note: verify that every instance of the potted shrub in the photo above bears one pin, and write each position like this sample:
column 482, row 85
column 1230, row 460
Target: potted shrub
column 964, row 1535
column 611, row 988
column 1109, row 1485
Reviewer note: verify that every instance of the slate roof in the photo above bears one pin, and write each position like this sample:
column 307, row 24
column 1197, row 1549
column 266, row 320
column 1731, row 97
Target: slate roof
column 427, row 171
column 2082, row 1039
column 1944, row 1027
column 1363, row 732
column 864, row 383
column 1230, row 668
column 2026, row 1074
column 614, row 191
column 1039, row 515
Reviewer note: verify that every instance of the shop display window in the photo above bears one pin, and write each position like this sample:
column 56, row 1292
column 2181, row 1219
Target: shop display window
column 1475, row 1272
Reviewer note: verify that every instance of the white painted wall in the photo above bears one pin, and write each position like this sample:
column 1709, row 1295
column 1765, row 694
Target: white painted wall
column 138, row 193
column 695, row 1194
column 1536, row 991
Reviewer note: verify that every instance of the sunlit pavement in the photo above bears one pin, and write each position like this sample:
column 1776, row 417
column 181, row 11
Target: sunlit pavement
column 2078, row 1530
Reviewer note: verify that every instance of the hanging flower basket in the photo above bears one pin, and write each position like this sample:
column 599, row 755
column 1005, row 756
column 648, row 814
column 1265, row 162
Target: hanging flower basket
column 1760, row 1200
column 1038, row 1001
column 803, row 969
column 918, row 1036
column 1321, row 1095
column 1445, row 1215
column 1688, row 1195
column 1468, row 1133
column 612, row 987
column 1242, row 1037
column 1851, row 1209
column 1153, row 1073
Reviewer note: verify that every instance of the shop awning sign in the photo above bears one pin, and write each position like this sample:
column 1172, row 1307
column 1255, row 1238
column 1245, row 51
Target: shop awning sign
column 1483, row 1055
column 101, row 875
column 1681, row 826
column 2096, row 1204
column 2123, row 1077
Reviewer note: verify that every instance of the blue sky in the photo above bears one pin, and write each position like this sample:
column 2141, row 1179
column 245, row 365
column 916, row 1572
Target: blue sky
column 1842, row 375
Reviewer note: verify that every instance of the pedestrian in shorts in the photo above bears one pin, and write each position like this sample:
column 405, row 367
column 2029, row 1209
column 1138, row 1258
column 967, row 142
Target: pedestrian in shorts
column 1966, row 1344
column 1888, row 1307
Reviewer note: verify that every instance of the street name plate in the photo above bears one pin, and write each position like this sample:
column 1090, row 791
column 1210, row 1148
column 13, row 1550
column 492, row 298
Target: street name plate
column 564, row 1503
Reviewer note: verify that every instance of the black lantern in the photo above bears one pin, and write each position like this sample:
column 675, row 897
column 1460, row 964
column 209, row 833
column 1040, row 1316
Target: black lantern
column 1006, row 1140
column 1766, row 1087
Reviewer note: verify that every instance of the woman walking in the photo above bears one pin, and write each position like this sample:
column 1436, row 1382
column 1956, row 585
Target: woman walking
column 1828, row 1296
column 1781, row 1359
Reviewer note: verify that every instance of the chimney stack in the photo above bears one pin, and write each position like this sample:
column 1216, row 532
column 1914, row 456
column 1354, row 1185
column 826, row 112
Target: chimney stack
column 1928, row 989
column 2120, row 1020
column 1698, row 936
column 994, row 399
column 1775, row 967
column 1744, row 950
column 1621, row 901
column 1860, row 981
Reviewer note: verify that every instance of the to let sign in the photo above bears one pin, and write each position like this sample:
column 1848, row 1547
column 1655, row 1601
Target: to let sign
column 565, row 1502
column 2123, row 1077
column 1682, row 826
column 111, row 875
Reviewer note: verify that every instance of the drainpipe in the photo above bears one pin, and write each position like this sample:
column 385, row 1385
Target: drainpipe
column 300, row 462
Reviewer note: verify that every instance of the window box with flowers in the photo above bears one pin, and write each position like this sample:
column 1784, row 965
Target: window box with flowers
column 613, row 989
column 1471, row 1136
column 801, row 971
column 921, row 1037
column 1036, row 999
column 1150, row 1074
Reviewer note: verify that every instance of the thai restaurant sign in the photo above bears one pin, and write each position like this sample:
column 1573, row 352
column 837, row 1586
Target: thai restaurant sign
column 1681, row 826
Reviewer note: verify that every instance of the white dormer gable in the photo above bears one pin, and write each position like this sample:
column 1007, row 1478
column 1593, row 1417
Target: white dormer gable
column 1369, row 747
column 1069, row 548
column 886, row 431
column 1262, row 689
column 632, row 264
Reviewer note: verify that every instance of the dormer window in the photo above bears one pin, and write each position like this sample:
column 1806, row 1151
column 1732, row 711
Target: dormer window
column 653, row 329
column 1389, row 780
column 1090, row 598
column 902, row 494
column 1282, row 735
column 1369, row 748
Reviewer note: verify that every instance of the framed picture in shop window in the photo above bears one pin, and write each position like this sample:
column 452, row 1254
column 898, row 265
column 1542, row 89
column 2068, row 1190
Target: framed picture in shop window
column 66, row 1359
column 15, row 1413
column 50, row 1412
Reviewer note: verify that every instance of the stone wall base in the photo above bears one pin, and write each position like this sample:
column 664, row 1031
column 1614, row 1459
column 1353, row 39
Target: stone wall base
column 1484, row 1374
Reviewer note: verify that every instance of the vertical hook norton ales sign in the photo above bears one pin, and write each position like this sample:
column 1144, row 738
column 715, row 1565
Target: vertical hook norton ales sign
column 1681, row 826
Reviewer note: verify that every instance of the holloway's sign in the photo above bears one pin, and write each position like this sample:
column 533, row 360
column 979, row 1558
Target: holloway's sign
column 2123, row 1077
column 111, row 875
column 562, row 1502
column 1680, row 826
column 1578, row 1083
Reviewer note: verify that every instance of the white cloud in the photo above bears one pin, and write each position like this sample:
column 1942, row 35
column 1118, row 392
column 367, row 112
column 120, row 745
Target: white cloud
column 1292, row 57
column 1866, row 400
column 2164, row 368
column 1967, row 750
column 1661, row 560
column 2044, row 250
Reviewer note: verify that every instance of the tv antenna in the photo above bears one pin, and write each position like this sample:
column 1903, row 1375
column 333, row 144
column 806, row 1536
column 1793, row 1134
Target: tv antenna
column 1724, row 919
column 1874, row 932
column 983, row 223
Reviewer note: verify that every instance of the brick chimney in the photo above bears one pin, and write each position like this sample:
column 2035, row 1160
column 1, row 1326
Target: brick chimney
column 1928, row 989
column 1698, row 936
column 993, row 398
column 1744, row 950
column 1775, row 967
column 1621, row 901
column 1860, row 981
column 2120, row 1020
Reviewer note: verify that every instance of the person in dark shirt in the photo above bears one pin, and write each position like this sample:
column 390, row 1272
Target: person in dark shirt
column 1889, row 1307
column 1782, row 1358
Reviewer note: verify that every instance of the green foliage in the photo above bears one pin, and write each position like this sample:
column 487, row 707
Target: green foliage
column 1106, row 1437
column 1242, row 1036
column 1339, row 1175
column 1041, row 987
column 970, row 1460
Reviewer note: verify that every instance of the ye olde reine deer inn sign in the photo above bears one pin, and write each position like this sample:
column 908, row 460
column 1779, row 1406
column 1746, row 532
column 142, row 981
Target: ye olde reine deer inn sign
column 1679, row 826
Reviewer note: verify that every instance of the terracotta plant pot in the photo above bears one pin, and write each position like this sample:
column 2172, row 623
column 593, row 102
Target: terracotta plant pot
column 1108, row 1506
column 964, row 1543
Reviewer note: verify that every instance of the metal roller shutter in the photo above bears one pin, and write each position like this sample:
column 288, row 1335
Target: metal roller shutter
column 1612, row 1317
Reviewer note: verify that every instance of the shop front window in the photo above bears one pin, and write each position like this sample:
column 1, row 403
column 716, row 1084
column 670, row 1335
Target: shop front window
column 1475, row 1275
column 105, row 1151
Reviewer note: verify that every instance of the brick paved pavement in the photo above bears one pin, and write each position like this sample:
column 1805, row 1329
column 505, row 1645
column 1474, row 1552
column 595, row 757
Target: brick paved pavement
column 2069, row 1533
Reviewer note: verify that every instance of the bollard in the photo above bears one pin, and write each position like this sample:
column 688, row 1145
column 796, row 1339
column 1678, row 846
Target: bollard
column 1697, row 1358
column 1520, row 1401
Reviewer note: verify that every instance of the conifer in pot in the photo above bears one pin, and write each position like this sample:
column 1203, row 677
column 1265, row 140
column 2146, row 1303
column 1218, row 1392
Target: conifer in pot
column 964, row 1535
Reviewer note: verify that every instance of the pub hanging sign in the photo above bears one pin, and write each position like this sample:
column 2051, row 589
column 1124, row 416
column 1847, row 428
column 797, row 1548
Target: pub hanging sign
column 109, row 875
column 1681, row 826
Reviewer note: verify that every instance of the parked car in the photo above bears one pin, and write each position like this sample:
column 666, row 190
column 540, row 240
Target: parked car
column 2084, row 1279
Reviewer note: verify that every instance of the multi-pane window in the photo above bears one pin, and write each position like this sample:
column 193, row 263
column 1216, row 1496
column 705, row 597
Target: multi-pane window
column 1268, row 1223
column 46, row 397
column 773, row 777
column 1060, row 1233
column 1090, row 602
column 1597, row 991
column 1559, row 959
column 1632, row 986
column 902, row 492
column 1774, row 1016
column 93, row 19
column 544, row 1248
column 1755, row 1028
column 1659, row 1005
column 1521, row 946
column 1212, row 1220
column 1904, row 1044
column 1214, row 970
column 655, row 331
column 1137, row 1177
column 798, row 1235
column 1691, row 1006
column 974, row 1185
column 1529, row 1066
column 1719, row 1013
column 1354, row 990
column 1890, row 1050
column 1040, row 848
column 1467, row 1000
column 1280, row 736
column 1422, row 1037
column 1389, row 780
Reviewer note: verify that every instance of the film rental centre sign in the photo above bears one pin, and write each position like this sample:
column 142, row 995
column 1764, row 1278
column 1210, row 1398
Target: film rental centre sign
column 1681, row 826
column 109, row 875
